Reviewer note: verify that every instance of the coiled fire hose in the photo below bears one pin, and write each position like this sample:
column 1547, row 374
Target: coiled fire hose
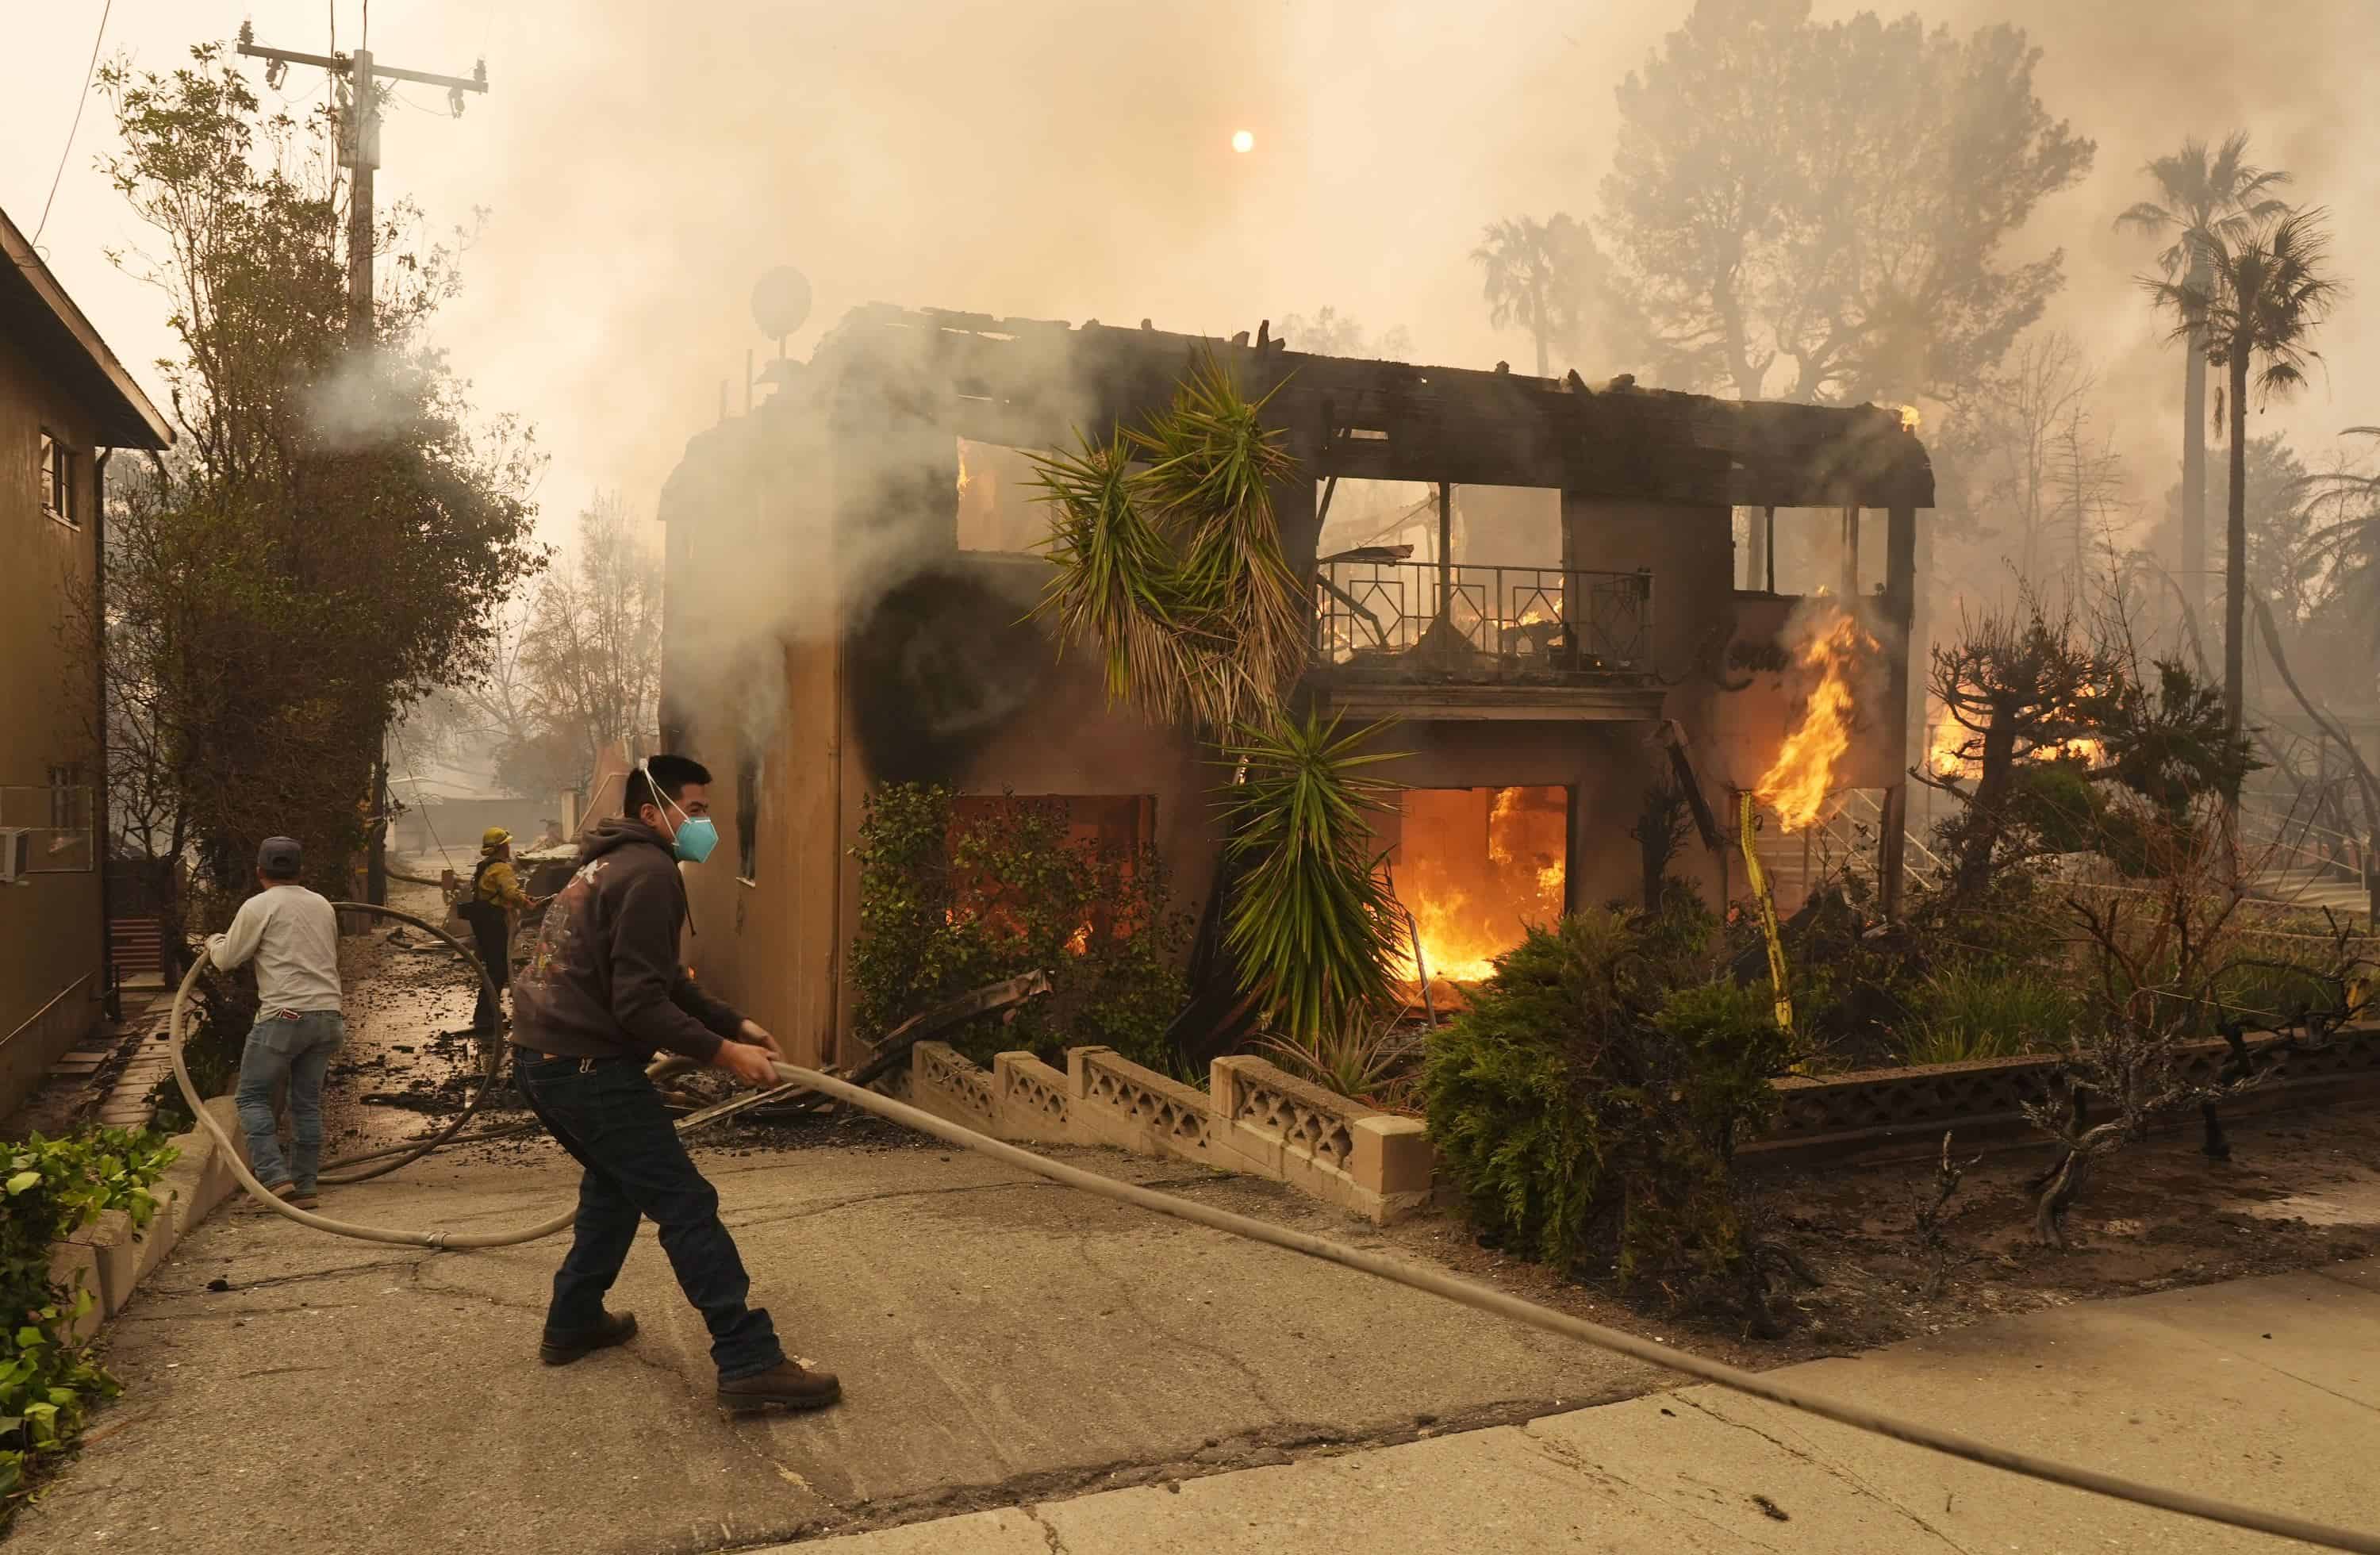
column 1430, row 1282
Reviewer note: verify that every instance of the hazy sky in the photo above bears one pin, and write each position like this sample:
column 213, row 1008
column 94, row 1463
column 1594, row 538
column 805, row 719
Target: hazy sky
column 641, row 164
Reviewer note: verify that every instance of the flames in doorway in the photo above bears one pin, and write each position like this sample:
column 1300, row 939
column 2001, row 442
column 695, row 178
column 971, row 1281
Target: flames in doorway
column 1473, row 866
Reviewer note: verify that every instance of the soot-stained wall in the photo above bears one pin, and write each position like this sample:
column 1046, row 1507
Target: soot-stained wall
column 943, row 663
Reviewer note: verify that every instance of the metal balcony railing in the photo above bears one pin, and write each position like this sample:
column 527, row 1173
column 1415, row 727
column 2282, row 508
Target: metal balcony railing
column 1466, row 622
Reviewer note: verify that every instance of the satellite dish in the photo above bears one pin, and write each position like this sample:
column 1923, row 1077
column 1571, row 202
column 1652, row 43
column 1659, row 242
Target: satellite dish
column 781, row 300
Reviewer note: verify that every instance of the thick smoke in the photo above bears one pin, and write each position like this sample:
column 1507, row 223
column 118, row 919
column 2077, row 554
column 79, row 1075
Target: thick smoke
column 1063, row 159
column 830, row 508
column 1072, row 160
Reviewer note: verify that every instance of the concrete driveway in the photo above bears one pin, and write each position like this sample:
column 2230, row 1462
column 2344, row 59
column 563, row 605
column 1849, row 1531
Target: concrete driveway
column 1001, row 1340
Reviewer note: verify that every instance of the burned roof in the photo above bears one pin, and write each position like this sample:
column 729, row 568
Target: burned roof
column 1029, row 383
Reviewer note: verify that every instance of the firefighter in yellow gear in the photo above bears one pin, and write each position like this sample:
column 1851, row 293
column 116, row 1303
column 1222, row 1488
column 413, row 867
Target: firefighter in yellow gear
column 495, row 896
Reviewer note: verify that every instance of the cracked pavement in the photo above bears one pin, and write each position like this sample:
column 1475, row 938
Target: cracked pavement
column 2261, row 1392
column 1005, row 1343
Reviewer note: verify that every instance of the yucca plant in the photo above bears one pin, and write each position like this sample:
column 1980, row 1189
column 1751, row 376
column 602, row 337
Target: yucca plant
column 1373, row 1056
column 1312, row 921
column 1174, row 569
column 1114, row 585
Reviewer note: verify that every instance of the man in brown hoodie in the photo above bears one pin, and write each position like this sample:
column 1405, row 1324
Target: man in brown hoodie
column 602, row 992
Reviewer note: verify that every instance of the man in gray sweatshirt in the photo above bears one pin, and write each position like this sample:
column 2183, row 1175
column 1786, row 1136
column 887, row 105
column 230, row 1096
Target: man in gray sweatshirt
column 292, row 934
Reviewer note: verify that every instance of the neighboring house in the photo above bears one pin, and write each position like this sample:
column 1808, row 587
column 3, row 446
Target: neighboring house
column 66, row 403
column 1541, row 579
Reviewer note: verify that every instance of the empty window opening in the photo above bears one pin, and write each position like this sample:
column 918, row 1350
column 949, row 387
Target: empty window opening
column 1482, row 525
column 747, row 821
column 1809, row 550
column 1000, row 507
column 1471, row 578
column 1473, row 868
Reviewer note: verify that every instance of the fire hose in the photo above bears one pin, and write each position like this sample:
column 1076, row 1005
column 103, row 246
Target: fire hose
column 1430, row 1282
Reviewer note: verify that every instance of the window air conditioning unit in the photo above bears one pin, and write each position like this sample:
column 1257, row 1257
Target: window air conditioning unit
column 16, row 855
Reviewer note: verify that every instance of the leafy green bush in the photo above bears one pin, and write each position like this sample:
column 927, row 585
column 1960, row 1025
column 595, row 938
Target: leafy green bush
column 1982, row 1009
column 1591, row 1098
column 49, row 1188
column 948, row 904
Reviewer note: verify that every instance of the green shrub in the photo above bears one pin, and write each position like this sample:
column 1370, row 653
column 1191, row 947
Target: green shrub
column 1591, row 1098
column 48, row 1188
column 946, row 906
column 1982, row 1009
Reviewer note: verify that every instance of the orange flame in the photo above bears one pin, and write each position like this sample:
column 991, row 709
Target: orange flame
column 1910, row 418
column 1944, row 753
column 1469, row 901
column 1797, row 783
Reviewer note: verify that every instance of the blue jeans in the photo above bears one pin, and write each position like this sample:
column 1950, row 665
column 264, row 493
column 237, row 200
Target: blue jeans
column 299, row 1048
column 607, row 1116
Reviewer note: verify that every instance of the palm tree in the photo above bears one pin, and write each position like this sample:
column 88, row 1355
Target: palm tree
column 1533, row 277
column 2264, row 293
column 2205, row 201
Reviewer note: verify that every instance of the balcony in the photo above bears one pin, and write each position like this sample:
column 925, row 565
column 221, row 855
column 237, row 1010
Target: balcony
column 1418, row 638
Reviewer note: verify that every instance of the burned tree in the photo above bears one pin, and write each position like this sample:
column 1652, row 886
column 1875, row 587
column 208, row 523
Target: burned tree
column 2020, row 688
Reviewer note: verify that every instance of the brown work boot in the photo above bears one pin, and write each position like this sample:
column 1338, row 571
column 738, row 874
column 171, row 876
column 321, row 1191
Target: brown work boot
column 560, row 1348
column 788, row 1383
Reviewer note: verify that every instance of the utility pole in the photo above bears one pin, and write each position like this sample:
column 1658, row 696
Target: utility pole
column 359, row 153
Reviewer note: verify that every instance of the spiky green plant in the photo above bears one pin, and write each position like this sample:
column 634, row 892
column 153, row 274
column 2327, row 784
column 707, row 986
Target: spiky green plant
column 1312, row 921
column 1373, row 1056
column 1174, row 569
column 1114, row 585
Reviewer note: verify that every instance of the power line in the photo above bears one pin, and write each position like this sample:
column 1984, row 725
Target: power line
column 80, row 98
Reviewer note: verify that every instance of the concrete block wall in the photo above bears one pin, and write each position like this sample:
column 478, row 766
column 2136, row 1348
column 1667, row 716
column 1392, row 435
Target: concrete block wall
column 1253, row 1117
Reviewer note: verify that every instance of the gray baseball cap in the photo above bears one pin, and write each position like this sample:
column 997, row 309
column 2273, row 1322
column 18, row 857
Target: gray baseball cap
column 280, row 858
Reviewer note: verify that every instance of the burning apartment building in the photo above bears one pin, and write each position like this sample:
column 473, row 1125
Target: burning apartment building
column 1566, row 595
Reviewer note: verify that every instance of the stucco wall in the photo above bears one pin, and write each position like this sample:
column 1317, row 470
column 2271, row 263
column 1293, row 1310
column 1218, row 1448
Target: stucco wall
column 48, row 928
column 766, row 944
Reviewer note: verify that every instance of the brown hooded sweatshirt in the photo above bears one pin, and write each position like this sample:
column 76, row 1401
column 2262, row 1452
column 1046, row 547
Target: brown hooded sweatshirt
column 605, row 980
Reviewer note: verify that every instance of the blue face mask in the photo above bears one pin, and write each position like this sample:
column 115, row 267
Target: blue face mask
column 697, row 835
column 695, row 838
